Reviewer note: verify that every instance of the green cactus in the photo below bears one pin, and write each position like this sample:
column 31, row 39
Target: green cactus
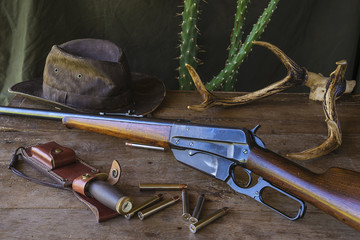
column 236, row 35
column 234, row 62
column 188, row 47
column 237, row 51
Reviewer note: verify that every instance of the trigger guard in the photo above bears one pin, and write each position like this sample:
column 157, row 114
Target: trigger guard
column 255, row 192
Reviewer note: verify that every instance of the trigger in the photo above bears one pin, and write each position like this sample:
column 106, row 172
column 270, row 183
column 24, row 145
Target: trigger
column 258, row 141
column 254, row 130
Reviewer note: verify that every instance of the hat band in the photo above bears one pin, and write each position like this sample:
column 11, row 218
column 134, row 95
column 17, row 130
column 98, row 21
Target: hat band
column 122, row 100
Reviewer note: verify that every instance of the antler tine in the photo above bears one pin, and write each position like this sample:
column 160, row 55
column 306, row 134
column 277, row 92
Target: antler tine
column 335, row 88
column 296, row 75
column 208, row 97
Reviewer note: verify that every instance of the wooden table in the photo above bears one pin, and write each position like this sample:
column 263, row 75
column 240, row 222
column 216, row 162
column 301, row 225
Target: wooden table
column 290, row 123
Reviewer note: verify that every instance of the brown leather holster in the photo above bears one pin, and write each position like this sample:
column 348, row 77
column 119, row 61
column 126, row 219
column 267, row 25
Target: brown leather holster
column 68, row 171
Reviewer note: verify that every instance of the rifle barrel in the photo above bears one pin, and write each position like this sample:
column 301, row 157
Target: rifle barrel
column 33, row 113
column 58, row 115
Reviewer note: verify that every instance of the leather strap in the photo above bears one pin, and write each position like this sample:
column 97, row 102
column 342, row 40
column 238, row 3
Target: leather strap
column 79, row 183
column 52, row 155
column 12, row 167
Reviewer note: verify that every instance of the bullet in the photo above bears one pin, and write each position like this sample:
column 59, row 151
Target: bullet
column 157, row 207
column 144, row 205
column 185, row 205
column 209, row 219
column 197, row 210
column 161, row 186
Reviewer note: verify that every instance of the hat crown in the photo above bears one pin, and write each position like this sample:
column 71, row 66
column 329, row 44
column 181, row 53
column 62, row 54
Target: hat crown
column 87, row 73
column 98, row 49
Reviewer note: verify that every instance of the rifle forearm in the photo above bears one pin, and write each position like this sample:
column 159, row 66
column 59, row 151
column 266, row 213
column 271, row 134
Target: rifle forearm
column 138, row 131
column 336, row 192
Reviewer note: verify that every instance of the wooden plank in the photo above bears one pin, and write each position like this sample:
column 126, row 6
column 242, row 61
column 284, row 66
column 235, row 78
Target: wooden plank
column 58, row 223
column 290, row 122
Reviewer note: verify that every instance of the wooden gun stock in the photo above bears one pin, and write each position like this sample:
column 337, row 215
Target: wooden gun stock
column 139, row 131
column 336, row 192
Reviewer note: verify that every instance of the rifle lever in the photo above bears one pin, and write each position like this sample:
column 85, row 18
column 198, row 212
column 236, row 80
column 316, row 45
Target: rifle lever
column 256, row 192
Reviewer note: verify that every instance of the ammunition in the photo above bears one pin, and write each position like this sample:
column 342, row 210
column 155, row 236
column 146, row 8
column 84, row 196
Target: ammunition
column 197, row 210
column 185, row 205
column 144, row 146
column 161, row 186
column 157, row 207
column 144, row 205
column 209, row 219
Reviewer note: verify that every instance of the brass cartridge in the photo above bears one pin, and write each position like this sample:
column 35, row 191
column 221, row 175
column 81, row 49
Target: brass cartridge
column 143, row 205
column 185, row 205
column 197, row 210
column 161, row 186
column 209, row 219
column 157, row 207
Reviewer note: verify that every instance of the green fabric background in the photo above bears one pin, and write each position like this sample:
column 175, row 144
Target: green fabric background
column 314, row 33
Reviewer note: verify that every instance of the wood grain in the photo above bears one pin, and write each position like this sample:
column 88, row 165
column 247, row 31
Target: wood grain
column 290, row 122
column 134, row 131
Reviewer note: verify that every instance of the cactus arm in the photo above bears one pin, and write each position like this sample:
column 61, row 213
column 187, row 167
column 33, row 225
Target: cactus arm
column 188, row 47
column 238, row 58
column 236, row 35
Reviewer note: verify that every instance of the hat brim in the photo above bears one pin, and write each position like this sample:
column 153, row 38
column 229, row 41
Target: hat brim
column 148, row 93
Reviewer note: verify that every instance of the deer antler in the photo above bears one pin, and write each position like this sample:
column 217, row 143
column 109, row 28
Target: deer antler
column 334, row 89
column 296, row 75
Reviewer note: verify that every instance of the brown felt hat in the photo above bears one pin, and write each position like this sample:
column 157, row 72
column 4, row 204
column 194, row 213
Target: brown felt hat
column 91, row 76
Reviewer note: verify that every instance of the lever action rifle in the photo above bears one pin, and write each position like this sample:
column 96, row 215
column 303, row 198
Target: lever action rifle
column 218, row 151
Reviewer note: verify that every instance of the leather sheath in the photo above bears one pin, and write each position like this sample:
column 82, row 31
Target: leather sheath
column 65, row 168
